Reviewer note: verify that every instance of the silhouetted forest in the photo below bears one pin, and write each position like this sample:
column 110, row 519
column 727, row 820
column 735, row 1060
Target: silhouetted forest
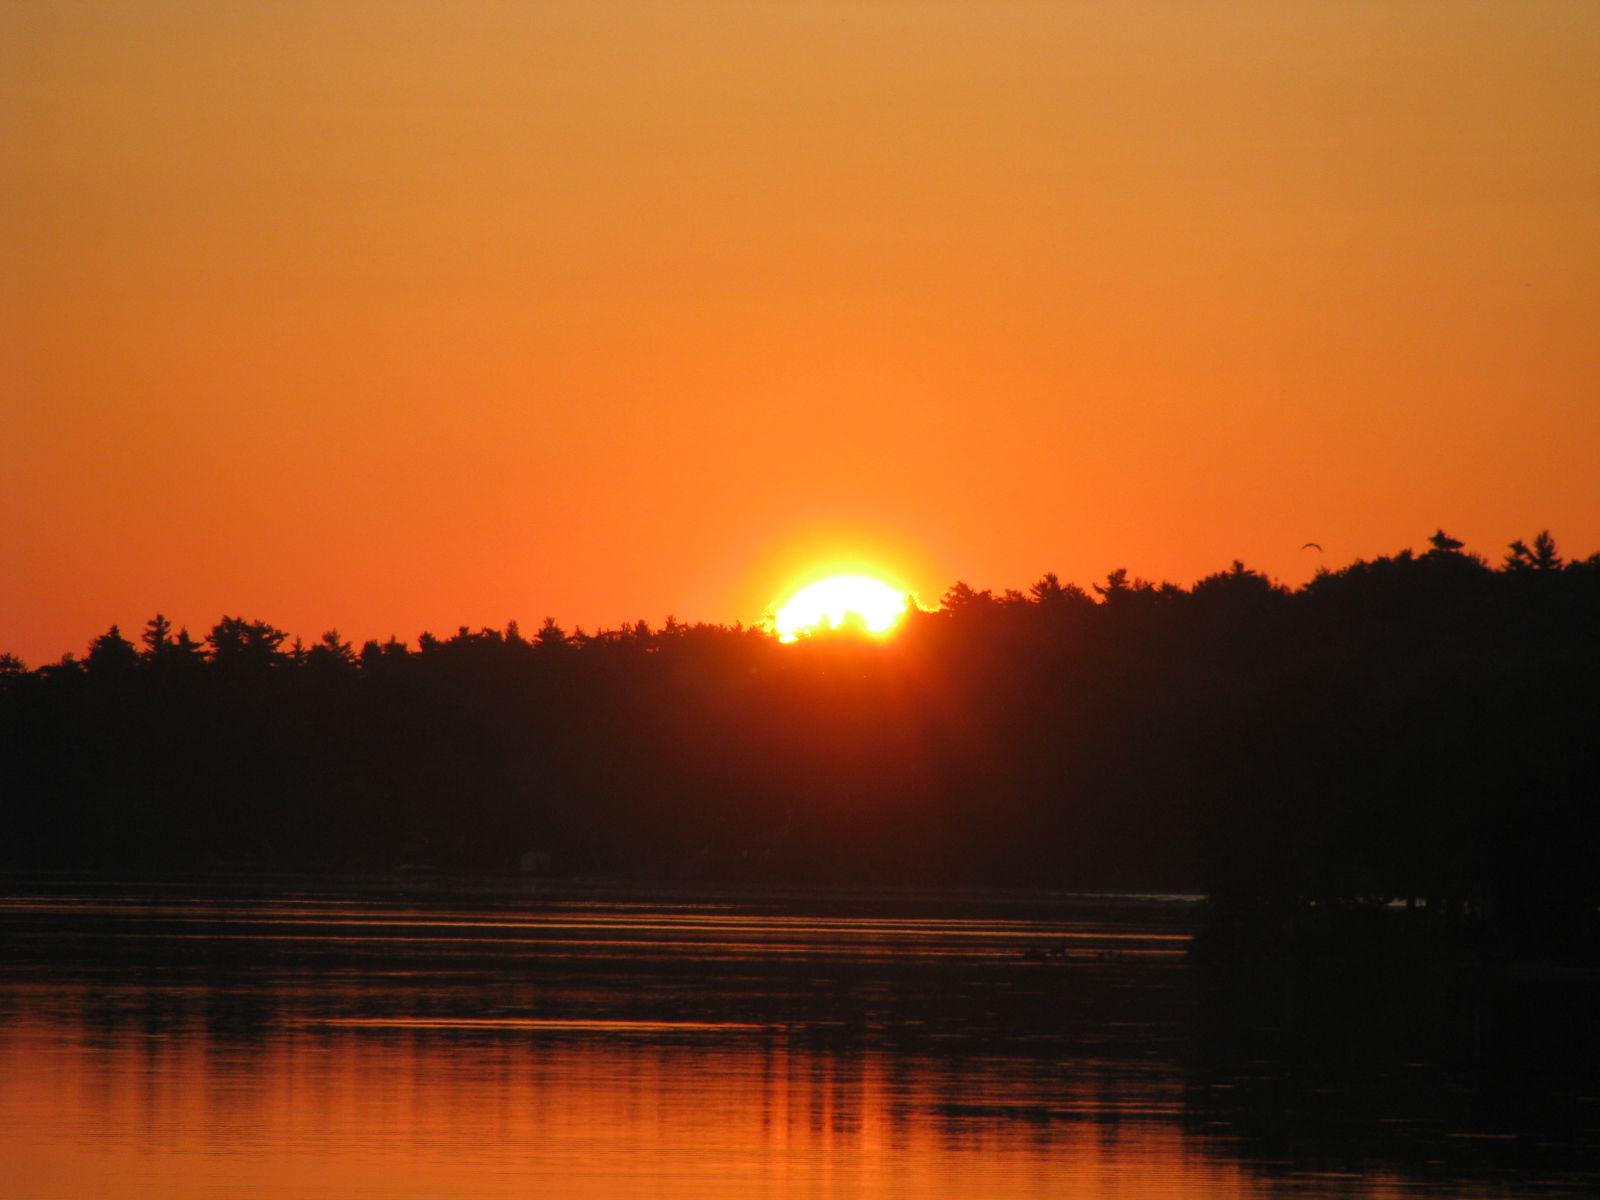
column 1421, row 726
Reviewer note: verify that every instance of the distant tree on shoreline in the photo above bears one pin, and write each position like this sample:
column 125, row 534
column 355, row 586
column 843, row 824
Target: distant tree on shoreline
column 1417, row 726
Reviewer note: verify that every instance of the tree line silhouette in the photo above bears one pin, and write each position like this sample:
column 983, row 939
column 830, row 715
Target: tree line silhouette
column 1419, row 726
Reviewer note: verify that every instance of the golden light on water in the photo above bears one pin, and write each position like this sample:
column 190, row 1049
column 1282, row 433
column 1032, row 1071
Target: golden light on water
column 838, row 601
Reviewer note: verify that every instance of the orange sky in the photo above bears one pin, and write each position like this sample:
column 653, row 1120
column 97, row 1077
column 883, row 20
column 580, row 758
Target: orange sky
column 402, row 316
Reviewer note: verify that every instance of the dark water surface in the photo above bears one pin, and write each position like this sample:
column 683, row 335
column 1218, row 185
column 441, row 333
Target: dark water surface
column 408, row 1042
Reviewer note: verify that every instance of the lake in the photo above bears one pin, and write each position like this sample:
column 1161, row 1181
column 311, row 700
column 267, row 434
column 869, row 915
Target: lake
column 288, row 1039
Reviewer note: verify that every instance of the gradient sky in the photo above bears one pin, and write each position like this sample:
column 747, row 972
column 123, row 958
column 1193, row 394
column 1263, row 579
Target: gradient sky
column 394, row 316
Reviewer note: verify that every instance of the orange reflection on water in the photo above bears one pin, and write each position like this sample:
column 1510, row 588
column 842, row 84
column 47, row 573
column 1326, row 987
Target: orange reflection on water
column 417, row 1109
column 335, row 1048
column 466, row 1109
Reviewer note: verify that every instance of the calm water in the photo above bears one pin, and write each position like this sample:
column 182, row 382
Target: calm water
column 335, row 1043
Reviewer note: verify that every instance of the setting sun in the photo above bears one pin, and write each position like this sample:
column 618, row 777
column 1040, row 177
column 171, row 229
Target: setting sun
column 832, row 601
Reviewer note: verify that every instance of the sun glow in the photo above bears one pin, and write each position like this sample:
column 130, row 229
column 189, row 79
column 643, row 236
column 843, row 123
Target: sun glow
column 837, row 601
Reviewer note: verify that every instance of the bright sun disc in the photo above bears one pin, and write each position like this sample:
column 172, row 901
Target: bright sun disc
column 831, row 600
